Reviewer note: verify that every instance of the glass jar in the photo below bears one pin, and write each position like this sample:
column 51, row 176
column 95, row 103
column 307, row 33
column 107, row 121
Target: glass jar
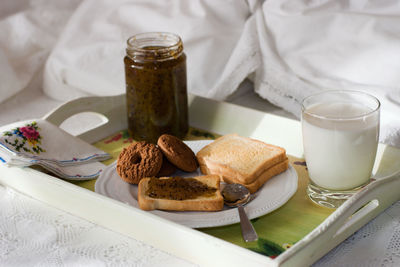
column 156, row 90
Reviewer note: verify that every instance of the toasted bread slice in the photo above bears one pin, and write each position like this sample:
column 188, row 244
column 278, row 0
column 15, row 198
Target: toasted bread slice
column 239, row 158
column 263, row 178
column 209, row 202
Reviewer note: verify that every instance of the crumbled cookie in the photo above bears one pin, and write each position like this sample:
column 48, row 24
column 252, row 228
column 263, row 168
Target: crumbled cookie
column 139, row 160
column 166, row 168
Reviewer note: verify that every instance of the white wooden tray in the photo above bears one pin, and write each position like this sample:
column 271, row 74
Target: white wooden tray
column 184, row 242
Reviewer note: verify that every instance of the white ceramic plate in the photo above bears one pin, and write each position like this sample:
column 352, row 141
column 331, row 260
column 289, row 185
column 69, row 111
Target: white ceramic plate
column 274, row 193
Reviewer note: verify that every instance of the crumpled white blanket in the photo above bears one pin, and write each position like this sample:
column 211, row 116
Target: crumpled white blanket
column 289, row 48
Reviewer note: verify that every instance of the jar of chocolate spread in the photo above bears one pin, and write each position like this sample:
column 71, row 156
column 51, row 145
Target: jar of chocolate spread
column 156, row 94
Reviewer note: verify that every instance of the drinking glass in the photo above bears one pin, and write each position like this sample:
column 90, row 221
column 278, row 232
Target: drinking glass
column 340, row 138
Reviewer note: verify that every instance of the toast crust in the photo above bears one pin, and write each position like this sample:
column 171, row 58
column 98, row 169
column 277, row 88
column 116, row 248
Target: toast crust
column 202, row 203
column 263, row 178
column 241, row 158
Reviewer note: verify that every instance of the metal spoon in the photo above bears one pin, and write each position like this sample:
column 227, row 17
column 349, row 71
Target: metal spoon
column 237, row 195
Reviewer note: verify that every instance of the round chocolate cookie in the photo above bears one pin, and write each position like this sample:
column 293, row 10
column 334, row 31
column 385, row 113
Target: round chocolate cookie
column 166, row 168
column 139, row 160
column 177, row 152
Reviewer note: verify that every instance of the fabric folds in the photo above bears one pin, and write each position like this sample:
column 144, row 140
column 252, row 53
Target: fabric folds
column 289, row 49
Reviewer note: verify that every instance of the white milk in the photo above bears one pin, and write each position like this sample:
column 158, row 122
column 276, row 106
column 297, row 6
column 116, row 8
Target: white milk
column 340, row 154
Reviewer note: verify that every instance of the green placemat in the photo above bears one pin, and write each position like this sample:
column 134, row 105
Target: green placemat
column 277, row 230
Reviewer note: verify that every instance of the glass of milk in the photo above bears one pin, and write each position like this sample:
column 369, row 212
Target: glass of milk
column 340, row 139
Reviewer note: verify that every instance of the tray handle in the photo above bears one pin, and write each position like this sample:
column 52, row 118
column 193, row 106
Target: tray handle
column 111, row 110
column 354, row 213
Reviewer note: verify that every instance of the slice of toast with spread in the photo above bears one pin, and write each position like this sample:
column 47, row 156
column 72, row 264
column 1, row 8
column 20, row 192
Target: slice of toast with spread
column 201, row 193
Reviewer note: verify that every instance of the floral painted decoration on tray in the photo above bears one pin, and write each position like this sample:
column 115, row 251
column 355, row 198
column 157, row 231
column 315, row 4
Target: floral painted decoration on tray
column 122, row 135
column 269, row 248
column 26, row 138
